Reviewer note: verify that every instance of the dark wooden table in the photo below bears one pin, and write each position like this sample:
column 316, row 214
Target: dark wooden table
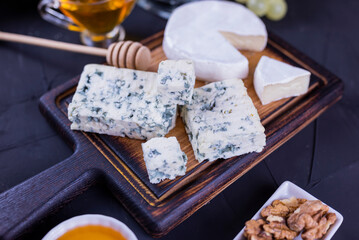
column 323, row 158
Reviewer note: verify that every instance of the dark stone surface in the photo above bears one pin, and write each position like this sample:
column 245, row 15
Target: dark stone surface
column 323, row 158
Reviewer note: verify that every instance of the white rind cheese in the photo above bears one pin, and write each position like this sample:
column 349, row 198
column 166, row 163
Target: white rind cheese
column 274, row 80
column 164, row 159
column 175, row 81
column 120, row 102
column 222, row 121
column 208, row 32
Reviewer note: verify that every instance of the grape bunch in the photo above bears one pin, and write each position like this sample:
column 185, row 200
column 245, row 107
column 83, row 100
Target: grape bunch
column 273, row 9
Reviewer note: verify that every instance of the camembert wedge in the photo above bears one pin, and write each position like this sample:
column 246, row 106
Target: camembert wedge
column 210, row 33
column 274, row 80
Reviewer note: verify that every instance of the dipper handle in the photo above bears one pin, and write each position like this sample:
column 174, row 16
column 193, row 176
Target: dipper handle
column 126, row 54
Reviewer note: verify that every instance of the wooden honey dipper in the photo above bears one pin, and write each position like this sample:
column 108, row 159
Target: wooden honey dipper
column 125, row 54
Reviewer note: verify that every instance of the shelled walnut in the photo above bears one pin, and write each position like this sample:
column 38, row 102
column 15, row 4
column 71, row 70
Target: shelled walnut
column 279, row 230
column 287, row 218
column 273, row 218
column 307, row 215
column 322, row 228
column 282, row 207
column 254, row 230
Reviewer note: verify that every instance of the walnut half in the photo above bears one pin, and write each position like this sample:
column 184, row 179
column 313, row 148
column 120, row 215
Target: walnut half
column 254, row 230
column 283, row 207
column 307, row 215
column 322, row 228
column 279, row 230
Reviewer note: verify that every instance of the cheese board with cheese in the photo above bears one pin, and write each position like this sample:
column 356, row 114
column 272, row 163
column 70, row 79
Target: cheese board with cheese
column 118, row 161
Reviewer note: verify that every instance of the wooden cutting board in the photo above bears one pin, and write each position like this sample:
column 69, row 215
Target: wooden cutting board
column 118, row 162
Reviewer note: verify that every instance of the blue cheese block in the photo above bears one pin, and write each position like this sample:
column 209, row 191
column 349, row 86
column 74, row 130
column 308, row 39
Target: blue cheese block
column 164, row 159
column 175, row 81
column 120, row 102
column 222, row 121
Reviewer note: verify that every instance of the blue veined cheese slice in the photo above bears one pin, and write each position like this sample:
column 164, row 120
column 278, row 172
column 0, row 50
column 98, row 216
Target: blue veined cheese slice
column 222, row 121
column 164, row 159
column 120, row 102
column 175, row 81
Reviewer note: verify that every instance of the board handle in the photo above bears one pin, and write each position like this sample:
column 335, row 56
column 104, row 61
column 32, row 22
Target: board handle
column 30, row 201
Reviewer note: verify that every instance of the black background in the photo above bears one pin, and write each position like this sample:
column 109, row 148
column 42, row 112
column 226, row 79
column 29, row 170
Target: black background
column 322, row 158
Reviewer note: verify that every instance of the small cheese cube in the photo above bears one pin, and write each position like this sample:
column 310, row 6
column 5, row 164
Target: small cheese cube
column 164, row 159
column 274, row 80
column 222, row 121
column 120, row 102
column 176, row 80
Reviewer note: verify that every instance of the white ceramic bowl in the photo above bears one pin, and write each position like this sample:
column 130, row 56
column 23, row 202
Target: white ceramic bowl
column 89, row 219
column 287, row 190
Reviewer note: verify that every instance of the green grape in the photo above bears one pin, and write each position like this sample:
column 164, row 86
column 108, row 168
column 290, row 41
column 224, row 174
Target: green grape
column 277, row 9
column 259, row 7
column 241, row 1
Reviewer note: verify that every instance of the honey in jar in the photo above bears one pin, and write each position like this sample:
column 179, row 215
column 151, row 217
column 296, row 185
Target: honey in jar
column 96, row 16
